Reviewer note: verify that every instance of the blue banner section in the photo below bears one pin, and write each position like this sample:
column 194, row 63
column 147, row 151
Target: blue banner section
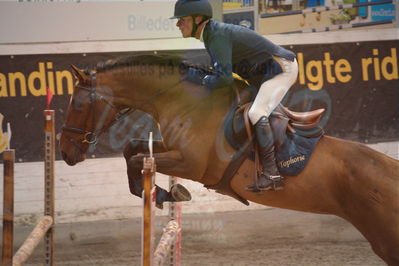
column 382, row 12
column 363, row 11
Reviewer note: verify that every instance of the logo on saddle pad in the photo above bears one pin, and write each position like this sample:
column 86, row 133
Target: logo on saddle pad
column 288, row 163
column 295, row 153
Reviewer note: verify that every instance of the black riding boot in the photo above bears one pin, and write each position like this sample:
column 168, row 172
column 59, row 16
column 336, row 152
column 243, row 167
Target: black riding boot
column 270, row 177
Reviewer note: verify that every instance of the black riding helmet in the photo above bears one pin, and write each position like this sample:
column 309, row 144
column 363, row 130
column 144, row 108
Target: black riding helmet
column 193, row 8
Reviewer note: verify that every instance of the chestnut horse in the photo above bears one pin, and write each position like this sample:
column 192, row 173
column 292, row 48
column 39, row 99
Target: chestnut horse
column 342, row 178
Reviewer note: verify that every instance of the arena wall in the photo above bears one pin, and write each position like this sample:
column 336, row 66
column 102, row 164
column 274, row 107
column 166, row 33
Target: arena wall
column 97, row 188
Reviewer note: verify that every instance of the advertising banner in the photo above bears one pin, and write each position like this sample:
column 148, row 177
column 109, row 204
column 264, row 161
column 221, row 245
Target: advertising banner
column 85, row 21
column 60, row 21
column 357, row 83
column 246, row 19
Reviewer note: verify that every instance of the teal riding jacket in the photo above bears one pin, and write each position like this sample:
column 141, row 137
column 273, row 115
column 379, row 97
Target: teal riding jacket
column 234, row 48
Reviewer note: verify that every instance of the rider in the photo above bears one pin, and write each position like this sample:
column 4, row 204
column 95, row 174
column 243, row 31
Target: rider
column 264, row 64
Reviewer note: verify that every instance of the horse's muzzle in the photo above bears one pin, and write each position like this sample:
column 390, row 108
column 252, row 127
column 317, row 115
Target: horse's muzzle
column 67, row 160
column 71, row 161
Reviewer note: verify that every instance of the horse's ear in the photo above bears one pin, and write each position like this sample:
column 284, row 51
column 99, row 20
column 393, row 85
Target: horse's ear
column 79, row 74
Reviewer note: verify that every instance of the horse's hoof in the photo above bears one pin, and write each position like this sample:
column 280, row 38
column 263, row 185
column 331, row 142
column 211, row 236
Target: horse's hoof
column 180, row 193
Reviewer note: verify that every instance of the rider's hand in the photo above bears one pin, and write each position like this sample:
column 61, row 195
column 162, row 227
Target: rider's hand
column 195, row 75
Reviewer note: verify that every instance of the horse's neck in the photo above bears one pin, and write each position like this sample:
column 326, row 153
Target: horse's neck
column 165, row 97
column 142, row 92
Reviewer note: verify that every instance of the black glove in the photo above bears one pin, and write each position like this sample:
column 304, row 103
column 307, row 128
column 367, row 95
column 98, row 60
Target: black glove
column 195, row 75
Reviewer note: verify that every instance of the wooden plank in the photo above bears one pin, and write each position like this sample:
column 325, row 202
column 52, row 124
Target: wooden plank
column 8, row 207
column 148, row 211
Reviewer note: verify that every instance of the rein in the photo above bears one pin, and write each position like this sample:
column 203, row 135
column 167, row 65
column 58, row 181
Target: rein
column 91, row 137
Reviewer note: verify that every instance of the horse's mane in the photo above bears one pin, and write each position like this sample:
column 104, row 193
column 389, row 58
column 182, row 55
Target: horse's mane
column 147, row 59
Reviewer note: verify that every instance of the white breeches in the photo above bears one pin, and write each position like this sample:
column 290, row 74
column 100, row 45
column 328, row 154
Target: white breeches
column 272, row 91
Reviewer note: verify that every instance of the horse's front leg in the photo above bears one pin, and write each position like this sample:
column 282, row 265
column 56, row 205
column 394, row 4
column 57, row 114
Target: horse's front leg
column 168, row 162
column 134, row 153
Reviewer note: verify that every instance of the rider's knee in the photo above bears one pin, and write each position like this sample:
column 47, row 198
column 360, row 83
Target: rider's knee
column 254, row 115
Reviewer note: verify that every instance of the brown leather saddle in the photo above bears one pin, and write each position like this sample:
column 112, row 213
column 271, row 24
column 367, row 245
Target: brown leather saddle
column 283, row 120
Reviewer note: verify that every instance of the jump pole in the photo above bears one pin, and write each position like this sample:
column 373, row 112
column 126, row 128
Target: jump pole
column 32, row 241
column 167, row 244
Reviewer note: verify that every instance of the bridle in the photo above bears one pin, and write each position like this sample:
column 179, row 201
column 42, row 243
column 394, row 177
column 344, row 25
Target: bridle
column 91, row 137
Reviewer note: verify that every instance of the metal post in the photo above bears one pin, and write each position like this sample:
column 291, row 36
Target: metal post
column 8, row 207
column 49, row 158
column 256, row 15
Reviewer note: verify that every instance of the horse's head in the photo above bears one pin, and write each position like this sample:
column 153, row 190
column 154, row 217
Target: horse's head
column 88, row 115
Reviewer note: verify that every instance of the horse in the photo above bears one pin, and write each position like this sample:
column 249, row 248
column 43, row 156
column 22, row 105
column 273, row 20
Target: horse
column 342, row 178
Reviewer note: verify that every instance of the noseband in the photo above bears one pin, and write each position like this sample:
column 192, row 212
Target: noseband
column 91, row 137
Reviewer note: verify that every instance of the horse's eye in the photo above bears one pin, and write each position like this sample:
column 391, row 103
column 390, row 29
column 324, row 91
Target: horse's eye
column 77, row 104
